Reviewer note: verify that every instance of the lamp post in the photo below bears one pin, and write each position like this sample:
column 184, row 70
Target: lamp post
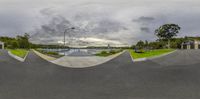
column 72, row 28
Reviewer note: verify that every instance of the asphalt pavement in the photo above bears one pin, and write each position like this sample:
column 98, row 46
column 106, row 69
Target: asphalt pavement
column 180, row 57
column 118, row 78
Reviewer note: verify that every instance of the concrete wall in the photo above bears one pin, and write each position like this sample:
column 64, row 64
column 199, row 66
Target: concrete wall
column 188, row 47
column 196, row 45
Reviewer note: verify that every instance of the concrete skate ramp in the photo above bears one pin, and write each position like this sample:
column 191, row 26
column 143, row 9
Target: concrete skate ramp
column 79, row 54
column 83, row 61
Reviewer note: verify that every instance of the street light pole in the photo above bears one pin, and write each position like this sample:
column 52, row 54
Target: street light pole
column 64, row 36
column 65, row 33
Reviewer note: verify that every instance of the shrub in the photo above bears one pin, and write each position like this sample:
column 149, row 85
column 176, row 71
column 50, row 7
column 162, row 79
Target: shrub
column 104, row 52
column 113, row 51
column 52, row 53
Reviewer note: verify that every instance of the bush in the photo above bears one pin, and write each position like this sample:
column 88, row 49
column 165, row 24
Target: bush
column 107, row 53
column 113, row 52
column 52, row 53
column 104, row 52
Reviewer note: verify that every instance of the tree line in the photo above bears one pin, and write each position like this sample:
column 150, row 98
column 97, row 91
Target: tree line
column 165, row 34
column 22, row 42
column 17, row 42
column 175, row 43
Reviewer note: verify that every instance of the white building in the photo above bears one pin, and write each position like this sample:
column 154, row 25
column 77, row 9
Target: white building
column 1, row 45
column 193, row 44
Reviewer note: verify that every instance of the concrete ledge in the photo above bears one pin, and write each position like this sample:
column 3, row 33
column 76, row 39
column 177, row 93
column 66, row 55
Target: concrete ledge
column 139, row 59
column 17, row 57
column 153, row 57
column 46, row 57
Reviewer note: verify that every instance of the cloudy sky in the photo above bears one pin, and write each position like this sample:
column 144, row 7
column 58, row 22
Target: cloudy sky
column 96, row 21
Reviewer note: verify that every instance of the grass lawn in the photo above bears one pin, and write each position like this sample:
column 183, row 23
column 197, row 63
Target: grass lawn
column 108, row 53
column 149, row 53
column 19, row 52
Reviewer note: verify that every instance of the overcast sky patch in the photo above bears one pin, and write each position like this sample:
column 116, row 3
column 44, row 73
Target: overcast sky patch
column 124, row 21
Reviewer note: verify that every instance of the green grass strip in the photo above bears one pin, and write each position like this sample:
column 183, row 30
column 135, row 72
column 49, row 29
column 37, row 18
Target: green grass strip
column 150, row 53
column 19, row 52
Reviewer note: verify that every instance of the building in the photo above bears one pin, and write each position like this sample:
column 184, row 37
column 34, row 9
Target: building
column 1, row 45
column 192, row 44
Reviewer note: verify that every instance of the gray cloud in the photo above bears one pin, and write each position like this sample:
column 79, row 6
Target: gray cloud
column 49, row 32
column 144, row 19
column 102, row 28
column 124, row 21
column 106, row 26
column 145, row 29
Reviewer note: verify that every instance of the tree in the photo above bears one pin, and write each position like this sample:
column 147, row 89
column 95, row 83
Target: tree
column 14, row 45
column 133, row 46
column 167, row 31
column 8, row 41
column 156, row 45
column 24, row 41
column 140, row 44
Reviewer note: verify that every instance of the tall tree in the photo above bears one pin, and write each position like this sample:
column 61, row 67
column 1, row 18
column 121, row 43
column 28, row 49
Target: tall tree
column 24, row 41
column 140, row 44
column 167, row 31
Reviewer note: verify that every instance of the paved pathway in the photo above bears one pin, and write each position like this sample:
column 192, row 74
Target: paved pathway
column 82, row 61
column 119, row 78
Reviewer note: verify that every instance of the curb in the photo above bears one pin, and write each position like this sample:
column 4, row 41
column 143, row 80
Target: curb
column 139, row 59
column 153, row 57
column 17, row 57
column 43, row 56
